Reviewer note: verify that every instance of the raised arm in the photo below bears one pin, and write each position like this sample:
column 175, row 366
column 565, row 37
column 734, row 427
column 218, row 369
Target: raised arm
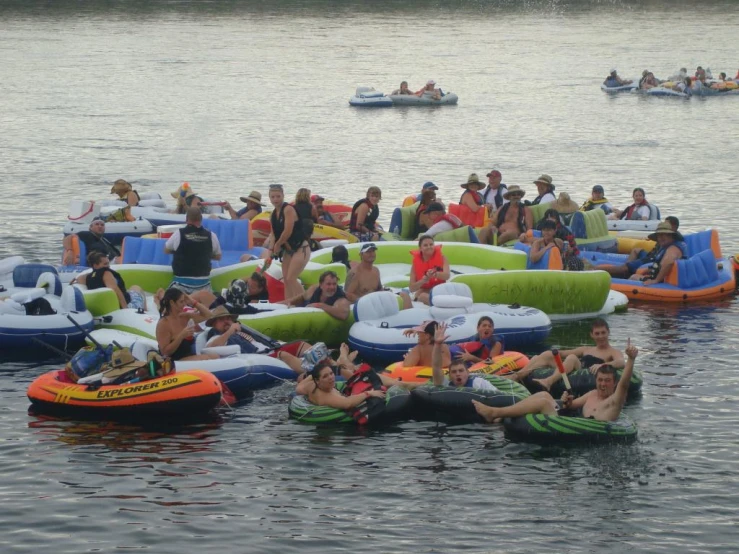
column 622, row 388
column 436, row 359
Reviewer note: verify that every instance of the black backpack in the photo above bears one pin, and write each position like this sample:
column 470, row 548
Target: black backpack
column 39, row 306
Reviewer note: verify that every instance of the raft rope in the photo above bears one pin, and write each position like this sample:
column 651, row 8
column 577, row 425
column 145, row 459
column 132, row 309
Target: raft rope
column 92, row 206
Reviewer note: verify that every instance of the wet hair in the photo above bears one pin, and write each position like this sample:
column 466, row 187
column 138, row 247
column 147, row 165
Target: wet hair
column 551, row 212
column 94, row 257
column 423, row 238
column 722, row 76
column 607, row 370
column 340, row 255
column 316, row 371
column 260, row 279
column 171, row 296
column 486, row 318
column 456, row 362
column 431, row 327
column 599, row 322
column 303, row 195
column 639, row 189
column 326, row 274
column 672, row 220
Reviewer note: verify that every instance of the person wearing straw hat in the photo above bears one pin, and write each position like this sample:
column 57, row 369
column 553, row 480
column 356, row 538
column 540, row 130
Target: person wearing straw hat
column 545, row 187
column 565, row 207
column 125, row 192
column 512, row 219
column 186, row 198
column 471, row 197
column 670, row 248
column 253, row 206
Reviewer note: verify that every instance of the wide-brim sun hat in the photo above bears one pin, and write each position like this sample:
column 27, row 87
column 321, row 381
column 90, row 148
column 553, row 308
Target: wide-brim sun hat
column 254, row 196
column 514, row 189
column 665, row 228
column 544, row 179
column 564, row 204
column 472, row 180
column 120, row 187
column 218, row 313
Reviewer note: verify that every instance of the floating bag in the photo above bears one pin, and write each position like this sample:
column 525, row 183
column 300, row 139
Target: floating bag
column 122, row 214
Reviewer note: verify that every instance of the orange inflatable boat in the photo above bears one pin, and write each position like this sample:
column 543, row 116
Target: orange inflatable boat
column 185, row 394
column 505, row 363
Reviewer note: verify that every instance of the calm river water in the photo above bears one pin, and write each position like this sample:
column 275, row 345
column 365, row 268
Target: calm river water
column 232, row 96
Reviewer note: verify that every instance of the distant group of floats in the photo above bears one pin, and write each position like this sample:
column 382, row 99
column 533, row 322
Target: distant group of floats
column 702, row 83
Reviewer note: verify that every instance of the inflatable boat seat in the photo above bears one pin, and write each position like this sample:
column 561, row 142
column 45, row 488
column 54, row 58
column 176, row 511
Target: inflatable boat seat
column 451, row 295
column 703, row 240
column 694, row 272
column 50, row 281
column 137, row 250
column 73, row 300
column 27, row 275
column 140, row 350
column 376, row 305
column 25, row 296
column 551, row 259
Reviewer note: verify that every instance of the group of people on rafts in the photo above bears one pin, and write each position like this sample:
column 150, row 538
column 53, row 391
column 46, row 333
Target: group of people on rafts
column 681, row 81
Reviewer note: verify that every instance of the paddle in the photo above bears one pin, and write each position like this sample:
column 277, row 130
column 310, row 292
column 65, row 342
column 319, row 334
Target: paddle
column 89, row 337
column 561, row 368
column 53, row 348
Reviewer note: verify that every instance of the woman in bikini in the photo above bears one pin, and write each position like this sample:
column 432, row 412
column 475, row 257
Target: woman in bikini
column 175, row 334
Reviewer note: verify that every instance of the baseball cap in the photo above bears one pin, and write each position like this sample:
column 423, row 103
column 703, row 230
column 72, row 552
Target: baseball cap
column 316, row 198
column 430, row 82
column 428, row 185
column 598, row 188
column 494, row 173
column 367, row 247
column 434, row 207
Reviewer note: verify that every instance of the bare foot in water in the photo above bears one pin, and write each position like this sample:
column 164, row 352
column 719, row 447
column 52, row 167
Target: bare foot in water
column 541, row 383
column 487, row 413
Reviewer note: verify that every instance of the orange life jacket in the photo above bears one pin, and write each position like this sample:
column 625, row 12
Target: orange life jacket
column 421, row 266
column 467, row 216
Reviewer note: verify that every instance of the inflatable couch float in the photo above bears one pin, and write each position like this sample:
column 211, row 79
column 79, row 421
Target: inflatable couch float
column 403, row 227
column 118, row 225
column 665, row 91
column 37, row 307
column 184, row 395
column 564, row 429
column 397, row 408
column 241, row 373
column 427, row 99
column 378, row 332
column 453, row 405
column 498, row 275
column 704, row 275
column 368, row 97
column 590, row 228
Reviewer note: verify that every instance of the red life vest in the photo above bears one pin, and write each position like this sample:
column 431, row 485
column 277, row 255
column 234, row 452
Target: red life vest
column 453, row 220
column 365, row 379
column 631, row 209
column 467, row 216
column 421, row 266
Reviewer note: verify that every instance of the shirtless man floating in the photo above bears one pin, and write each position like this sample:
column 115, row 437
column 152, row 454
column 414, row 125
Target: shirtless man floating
column 603, row 403
column 512, row 219
column 365, row 277
column 592, row 357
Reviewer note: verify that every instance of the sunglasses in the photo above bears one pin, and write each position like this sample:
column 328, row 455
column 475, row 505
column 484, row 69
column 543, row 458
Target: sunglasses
column 275, row 187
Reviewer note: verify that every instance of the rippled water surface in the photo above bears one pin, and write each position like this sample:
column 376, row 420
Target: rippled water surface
column 234, row 95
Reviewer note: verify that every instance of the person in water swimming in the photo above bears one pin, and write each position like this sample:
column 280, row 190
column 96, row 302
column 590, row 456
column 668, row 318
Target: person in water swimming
column 604, row 403
column 591, row 357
